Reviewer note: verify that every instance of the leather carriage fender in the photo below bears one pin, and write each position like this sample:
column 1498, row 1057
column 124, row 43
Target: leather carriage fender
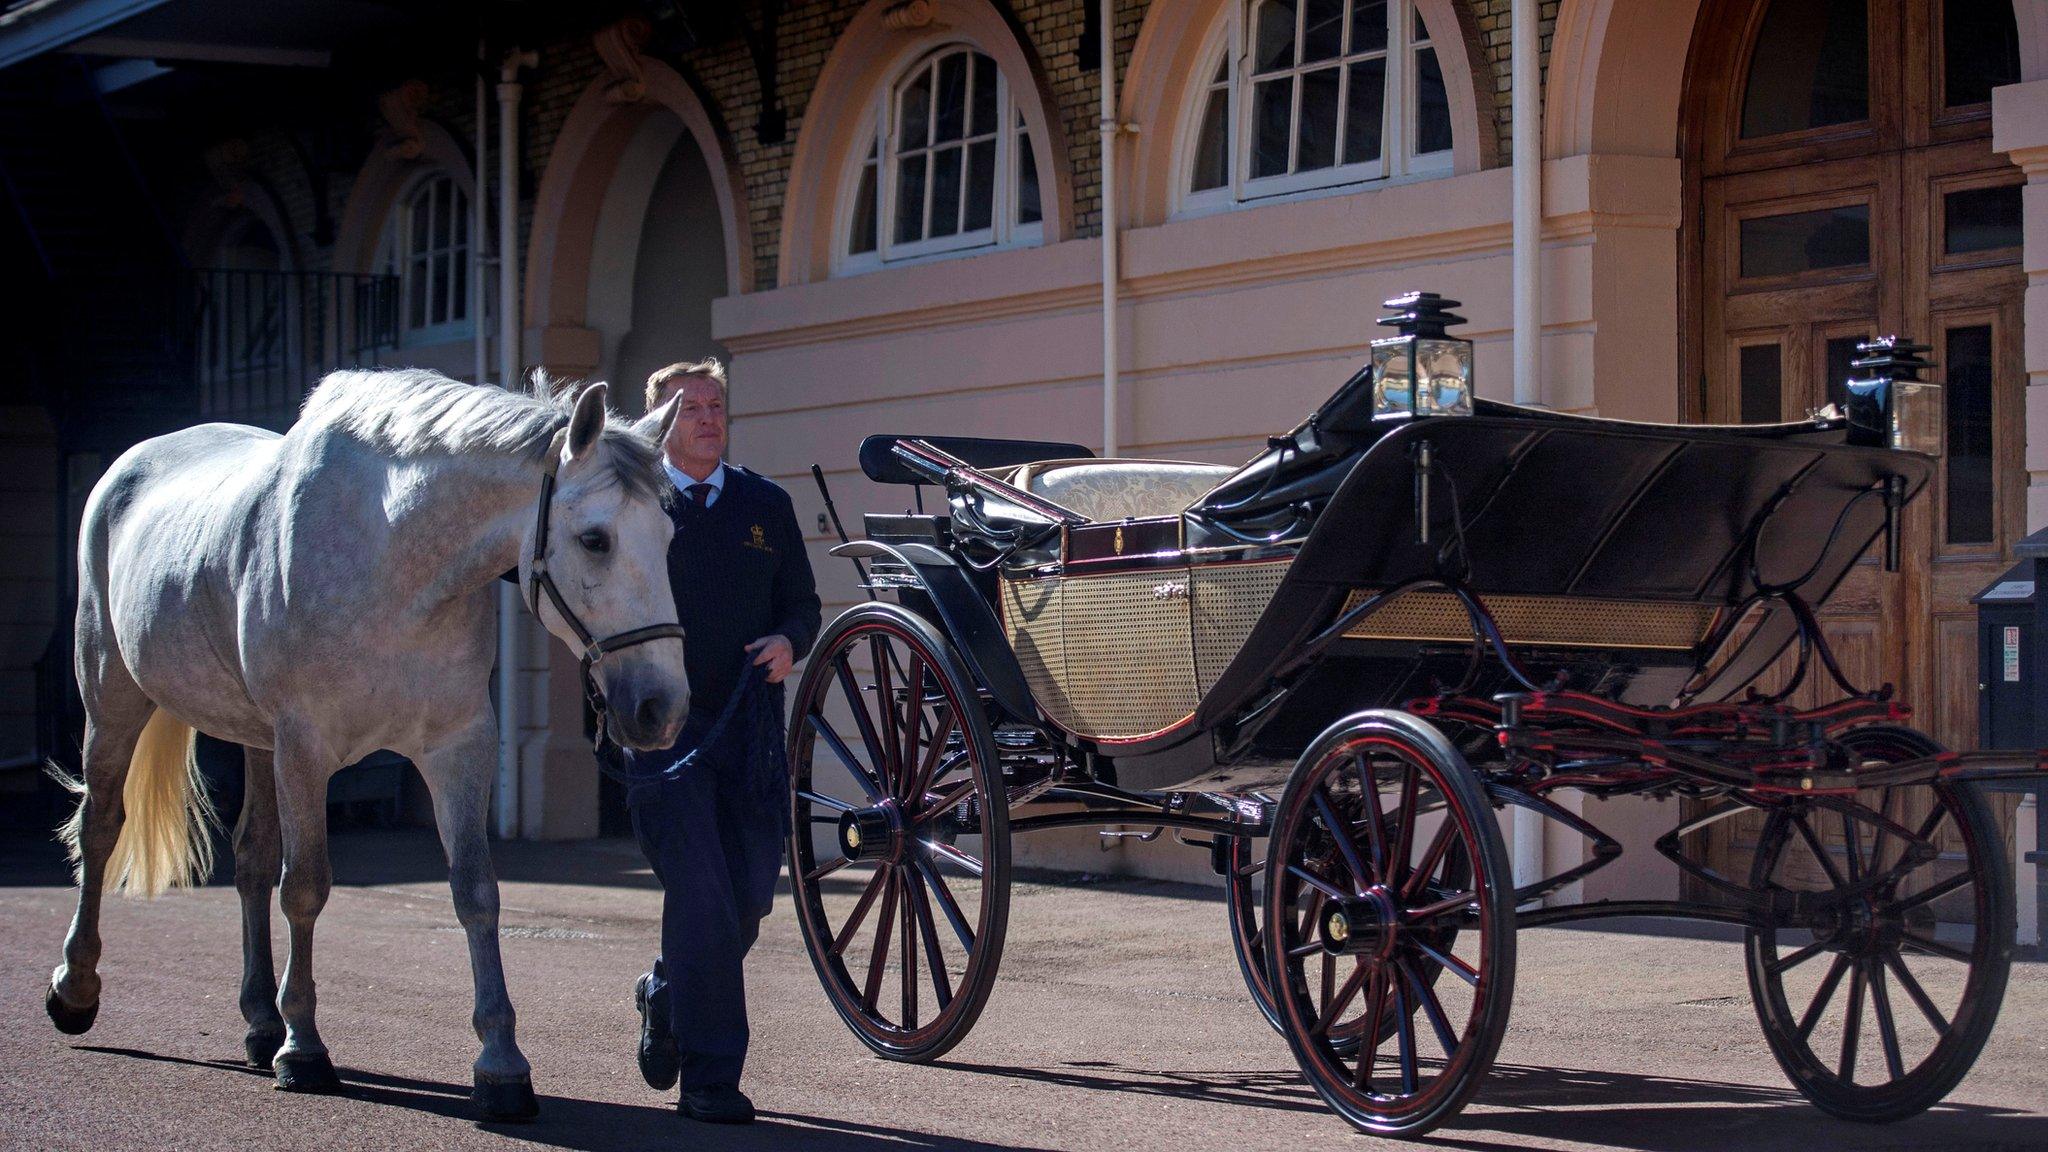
column 963, row 616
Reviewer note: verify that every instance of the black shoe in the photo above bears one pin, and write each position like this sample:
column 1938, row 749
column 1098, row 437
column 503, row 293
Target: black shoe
column 717, row 1104
column 659, row 1064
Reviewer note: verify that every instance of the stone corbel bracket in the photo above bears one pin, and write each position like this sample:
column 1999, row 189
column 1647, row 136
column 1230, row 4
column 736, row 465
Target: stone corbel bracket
column 619, row 45
column 401, row 110
column 912, row 15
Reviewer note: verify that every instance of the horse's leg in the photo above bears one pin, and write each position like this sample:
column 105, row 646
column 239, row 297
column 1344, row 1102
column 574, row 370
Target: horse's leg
column 258, row 860
column 115, row 713
column 301, row 769
column 459, row 774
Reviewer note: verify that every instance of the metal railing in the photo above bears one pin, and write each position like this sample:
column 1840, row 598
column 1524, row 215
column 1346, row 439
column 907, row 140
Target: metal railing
column 260, row 339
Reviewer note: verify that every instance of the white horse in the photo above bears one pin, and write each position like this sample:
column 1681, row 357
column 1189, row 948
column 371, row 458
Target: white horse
column 320, row 595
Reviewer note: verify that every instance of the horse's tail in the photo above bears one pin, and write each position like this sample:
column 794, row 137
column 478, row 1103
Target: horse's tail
column 166, row 839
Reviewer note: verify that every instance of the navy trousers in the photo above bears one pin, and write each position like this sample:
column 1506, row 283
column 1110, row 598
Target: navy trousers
column 716, row 847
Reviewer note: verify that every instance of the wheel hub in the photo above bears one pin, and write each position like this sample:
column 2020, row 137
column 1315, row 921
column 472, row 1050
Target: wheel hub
column 1359, row 927
column 868, row 833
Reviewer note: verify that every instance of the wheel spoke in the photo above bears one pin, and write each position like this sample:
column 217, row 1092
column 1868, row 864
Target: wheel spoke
column 1823, row 994
column 1375, row 832
column 1852, row 1024
column 908, row 950
column 1253, row 868
column 1916, row 993
column 1451, row 963
column 947, row 802
column 1341, row 833
column 935, row 959
column 859, row 913
column 1334, row 1003
column 1308, row 949
column 826, row 869
column 1312, row 908
column 885, row 702
column 824, row 801
column 1936, row 948
column 1431, row 857
column 1404, row 1028
column 1786, row 963
column 952, row 855
column 1820, row 851
column 1935, row 892
column 1887, row 1028
column 886, row 928
column 934, row 751
column 1369, row 1043
column 947, row 904
column 1404, row 837
column 913, row 726
column 868, row 784
column 1852, row 843
column 1329, row 966
column 857, row 701
column 1448, row 904
column 1318, row 883
column 1432, row 1008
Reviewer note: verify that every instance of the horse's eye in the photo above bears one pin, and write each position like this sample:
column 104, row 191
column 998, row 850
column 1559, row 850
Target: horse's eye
column 595, row 541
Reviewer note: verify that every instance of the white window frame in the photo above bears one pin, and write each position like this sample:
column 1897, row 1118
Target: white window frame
column 396, row 257
column 1397, row 162
column 878, row 130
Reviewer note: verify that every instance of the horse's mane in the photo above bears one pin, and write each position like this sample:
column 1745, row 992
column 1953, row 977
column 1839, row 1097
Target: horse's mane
column 419, row 412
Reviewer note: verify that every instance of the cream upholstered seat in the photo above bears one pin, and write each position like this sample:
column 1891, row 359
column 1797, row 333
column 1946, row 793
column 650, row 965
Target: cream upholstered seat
column 1120, row 489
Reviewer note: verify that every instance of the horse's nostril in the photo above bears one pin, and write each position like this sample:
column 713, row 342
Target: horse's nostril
column 651, row 712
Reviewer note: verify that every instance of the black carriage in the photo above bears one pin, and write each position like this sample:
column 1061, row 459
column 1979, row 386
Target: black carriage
column 1413, row 611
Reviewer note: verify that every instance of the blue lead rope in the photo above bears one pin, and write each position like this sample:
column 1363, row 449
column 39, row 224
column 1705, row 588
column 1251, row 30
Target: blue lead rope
column 756, row 706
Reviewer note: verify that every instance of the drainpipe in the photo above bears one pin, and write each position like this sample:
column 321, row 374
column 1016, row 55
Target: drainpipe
column 479, row 219
column 1527, row 83
column 511, row 610
column 1108, row 126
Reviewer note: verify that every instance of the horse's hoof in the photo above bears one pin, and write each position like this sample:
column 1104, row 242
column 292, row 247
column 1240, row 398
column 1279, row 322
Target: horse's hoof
column 262, row 1047
column 305, row 1072
column 505, row 1099
column 70, row 1021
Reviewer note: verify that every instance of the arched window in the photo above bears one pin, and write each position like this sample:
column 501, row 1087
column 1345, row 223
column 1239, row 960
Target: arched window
column 1311, row 94
column 950, row 167
column 426, row 245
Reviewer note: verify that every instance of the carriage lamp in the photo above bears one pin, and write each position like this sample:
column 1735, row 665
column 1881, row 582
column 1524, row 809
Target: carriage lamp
column 1889, row 405
column 1423, row 371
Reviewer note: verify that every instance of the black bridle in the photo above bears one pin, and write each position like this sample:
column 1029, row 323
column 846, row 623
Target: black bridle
column 540, row 582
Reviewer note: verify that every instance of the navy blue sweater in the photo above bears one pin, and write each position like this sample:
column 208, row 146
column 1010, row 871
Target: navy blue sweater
column 739, row 572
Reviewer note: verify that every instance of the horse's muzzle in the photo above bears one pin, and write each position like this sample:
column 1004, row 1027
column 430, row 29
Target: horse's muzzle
column 645, row 716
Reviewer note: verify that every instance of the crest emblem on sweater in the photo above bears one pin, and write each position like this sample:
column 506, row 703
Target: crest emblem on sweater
column 759, row 539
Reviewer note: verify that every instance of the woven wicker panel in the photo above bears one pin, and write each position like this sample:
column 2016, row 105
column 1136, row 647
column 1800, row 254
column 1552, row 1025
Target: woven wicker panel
column 1227, row 601
column 1106, row 656
column 1031, row 616
column 1561, row 620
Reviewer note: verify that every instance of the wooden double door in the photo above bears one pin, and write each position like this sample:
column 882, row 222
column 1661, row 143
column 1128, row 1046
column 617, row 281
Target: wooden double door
column 1841, row 186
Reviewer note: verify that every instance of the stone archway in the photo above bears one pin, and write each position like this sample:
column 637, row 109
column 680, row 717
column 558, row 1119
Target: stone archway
column 618, row 123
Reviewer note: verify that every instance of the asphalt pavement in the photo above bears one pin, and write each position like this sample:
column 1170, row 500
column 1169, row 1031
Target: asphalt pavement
column 1119, row 1022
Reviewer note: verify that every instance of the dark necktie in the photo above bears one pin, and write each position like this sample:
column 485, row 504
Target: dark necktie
column 700, row 495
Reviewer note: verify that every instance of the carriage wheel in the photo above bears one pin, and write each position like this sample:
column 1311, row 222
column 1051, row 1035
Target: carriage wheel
column 1874, row 1014
column 1244, row 883
column 1385, row 871
column 900, row 841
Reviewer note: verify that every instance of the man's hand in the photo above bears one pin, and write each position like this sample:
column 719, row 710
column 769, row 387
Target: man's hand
column 776, row 653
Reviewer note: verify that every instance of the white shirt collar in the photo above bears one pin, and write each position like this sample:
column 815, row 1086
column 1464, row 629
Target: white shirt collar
column 682, row 480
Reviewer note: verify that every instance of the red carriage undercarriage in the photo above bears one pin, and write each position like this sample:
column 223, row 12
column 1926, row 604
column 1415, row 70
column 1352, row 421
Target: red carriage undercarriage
column 1401, row 620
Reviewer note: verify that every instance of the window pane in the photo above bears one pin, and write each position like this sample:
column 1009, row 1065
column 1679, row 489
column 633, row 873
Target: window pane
column 1968, row 396
column 1212, row 146
column 1272, row 113
column 981, row 183
column 1841, row 352
column 458, row 290
column 438, row 298
column 1806, row 241
column 1762, row 385
column 1275, row 36
column 1322, row 31
column 1811, row 67
column 863, row 238
column 1027, row 182
column 461, row 211
column 983, row 119
column 442, row 225
column 945, row 192
column 416, row 294
column 1222, row 71
column 1318, row 119
column 1980, row 219
column 913, row 123
column 1365, row 104
column 950, row 113
column 1368, row 25
column 1432, row 105
column 422, row 209
column 910, row 199
column 1980, row 48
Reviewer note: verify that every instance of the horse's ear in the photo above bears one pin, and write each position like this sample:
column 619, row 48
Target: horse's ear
column 587, row 424
column 655, row 424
